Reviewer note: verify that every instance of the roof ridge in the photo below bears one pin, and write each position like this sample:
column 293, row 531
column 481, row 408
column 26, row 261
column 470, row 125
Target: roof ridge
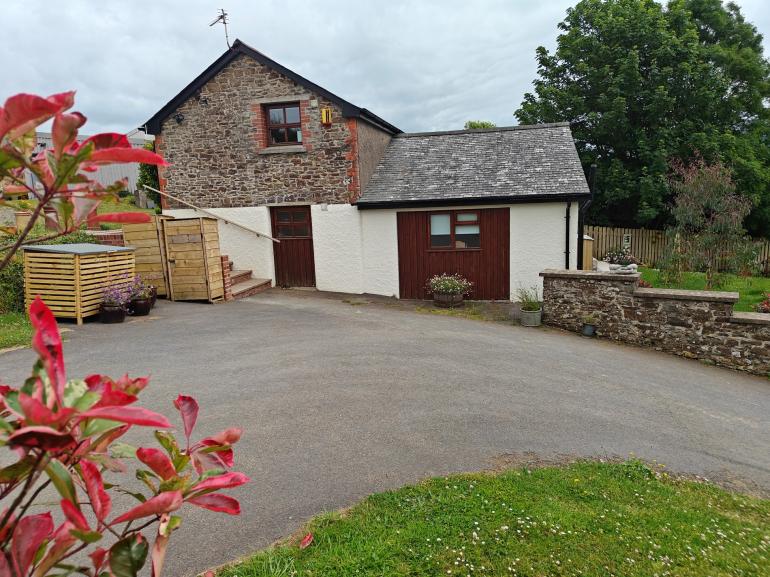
column 484, row 130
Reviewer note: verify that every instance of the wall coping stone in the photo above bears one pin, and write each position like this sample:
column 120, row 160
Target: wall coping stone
column 750, row 318
column 685, row 295
column 590, row 275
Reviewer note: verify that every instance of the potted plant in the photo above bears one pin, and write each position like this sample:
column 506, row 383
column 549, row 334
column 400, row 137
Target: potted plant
column 140, row 299
column 531, row 308
column 114, row 300
column 589, row 326
column 449, row 290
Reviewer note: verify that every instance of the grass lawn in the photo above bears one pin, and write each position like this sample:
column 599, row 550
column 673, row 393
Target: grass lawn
column 15, row 330
column 588, row 519
column 752, row 289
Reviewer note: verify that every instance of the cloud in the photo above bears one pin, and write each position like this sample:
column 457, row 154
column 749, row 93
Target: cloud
column 427, row 65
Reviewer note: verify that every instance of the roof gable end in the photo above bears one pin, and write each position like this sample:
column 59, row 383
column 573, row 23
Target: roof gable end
column 153, row 125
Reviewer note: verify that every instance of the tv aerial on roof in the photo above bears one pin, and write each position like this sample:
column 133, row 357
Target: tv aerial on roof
column 223, row 19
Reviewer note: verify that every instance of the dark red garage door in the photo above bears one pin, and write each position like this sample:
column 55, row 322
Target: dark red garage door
column 474, row 243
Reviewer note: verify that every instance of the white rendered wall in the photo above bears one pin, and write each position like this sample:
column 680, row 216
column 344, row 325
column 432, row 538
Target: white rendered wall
column 337, row 248
column 245, row 249
column 379, row 233
column 538, row 241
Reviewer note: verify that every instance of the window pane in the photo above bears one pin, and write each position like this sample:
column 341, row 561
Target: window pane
column 467, row 236
column 284, row 231
column 295, row 135
column 301, row 230
column 277, row 135
column 467, row 216
column 292, row 114
column 440, row 230
column 276, row 116
column 300, row 216
column 284, row 216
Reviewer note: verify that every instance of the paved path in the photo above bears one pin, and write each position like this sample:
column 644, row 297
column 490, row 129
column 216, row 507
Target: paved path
column 338, row 401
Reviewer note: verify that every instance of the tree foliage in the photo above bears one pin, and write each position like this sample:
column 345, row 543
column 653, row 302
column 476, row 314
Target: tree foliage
column 643, row 84
column 476, row 124
column 708, row 235
column 148, row 176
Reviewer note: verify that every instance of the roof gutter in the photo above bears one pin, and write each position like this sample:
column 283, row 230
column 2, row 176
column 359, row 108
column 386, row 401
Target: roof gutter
column 524, row 199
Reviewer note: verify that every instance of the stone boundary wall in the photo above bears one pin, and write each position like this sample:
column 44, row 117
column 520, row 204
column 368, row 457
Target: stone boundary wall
column 693, row 324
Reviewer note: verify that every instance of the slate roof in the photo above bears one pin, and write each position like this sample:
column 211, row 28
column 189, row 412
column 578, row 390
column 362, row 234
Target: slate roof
column 496, row 165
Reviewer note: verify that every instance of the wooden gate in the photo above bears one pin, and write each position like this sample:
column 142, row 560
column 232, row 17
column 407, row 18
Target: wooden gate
column 294, row 262
column 194, row 263
column 150, row 253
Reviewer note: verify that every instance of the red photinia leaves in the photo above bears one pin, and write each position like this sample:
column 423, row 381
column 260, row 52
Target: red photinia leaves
column 36, row 413
column 65, row 131
column 98, row 557
column 157, row 460
column 226, row 481
column 188, row 408
column 47, row 343
column 41, row 437
column 161, row 503
column 132, row 415
column 100, row 500
column 306, row 541
column 23, row 112
column 123, row 217
column 74, row 515
column 217, row 502
column 112, row 147
column 28, row 535
column 227, row 437
column 98, row 383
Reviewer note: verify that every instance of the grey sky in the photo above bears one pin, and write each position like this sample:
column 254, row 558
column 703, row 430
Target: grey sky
column 427, row 65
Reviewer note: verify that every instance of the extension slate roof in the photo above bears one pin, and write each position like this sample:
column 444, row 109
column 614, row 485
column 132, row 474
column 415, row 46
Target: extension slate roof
column 239, row 48
column 497, row 165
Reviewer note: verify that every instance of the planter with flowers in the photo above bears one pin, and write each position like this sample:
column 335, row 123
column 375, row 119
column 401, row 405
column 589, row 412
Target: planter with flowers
column 531, row 308
column 114, row 302
column 448, row 290
column 140, row 300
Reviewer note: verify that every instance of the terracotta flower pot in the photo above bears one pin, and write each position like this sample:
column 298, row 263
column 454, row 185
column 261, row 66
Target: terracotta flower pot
column 448, row 301
column 110, row 314
column 140, row 307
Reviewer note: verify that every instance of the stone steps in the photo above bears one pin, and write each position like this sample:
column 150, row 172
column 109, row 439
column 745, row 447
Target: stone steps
column 250, row 287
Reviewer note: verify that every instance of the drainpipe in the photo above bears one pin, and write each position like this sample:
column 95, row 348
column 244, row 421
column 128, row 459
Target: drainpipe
column 568, row 236
column 583, row 208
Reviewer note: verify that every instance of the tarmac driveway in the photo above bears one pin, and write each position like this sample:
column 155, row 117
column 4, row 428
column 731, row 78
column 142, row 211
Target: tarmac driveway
column 338, row 401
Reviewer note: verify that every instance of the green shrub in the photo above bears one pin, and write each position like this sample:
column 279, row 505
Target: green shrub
column 12, row 287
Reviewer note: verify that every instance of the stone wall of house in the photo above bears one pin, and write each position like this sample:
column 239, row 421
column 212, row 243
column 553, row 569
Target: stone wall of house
column 216, row 144
column 694, row 324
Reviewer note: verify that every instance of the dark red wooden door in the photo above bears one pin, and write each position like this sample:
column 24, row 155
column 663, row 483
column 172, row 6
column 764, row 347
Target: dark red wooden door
column 294, row 263
column 473, row 243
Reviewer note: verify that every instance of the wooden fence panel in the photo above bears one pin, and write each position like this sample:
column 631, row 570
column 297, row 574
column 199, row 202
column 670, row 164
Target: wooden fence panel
column 650, row 245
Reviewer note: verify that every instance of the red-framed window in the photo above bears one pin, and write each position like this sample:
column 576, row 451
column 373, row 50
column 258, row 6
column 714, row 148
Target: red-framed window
column 292, row 222
column 283, row 124
column 455, row 230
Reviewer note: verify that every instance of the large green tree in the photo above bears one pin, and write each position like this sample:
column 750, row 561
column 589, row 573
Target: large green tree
column 644, row 84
